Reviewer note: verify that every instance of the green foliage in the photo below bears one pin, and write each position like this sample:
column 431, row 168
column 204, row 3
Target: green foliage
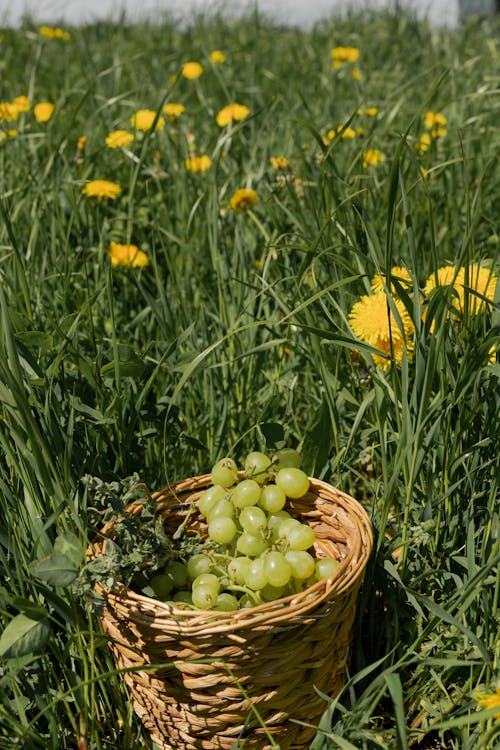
column 236, row 336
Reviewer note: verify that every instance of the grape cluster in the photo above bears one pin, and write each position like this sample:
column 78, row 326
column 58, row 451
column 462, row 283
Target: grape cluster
column 256, row 551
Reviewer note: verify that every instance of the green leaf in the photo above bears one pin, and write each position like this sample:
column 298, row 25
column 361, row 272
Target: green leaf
column 25, row 634
column 56, row 569
column 69, row 545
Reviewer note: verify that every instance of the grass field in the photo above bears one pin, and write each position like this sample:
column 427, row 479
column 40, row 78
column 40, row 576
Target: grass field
column 155, row 319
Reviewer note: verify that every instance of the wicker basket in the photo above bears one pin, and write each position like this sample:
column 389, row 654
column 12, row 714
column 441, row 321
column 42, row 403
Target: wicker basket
column 281, row 653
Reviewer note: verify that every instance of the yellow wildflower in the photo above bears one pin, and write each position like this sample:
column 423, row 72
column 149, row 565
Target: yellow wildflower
column 433, row 120
column 43, row 111
column 127, row 255
column 102, row 189
column 446, row 276
column 488, row 700
column 173, row 110
column 21, row 103
column 356, row 74
column 143, row 119
column 232, row 113
column 198, row 163
column 279, row 162
column 346, row 132
column 243, row 199
column 192, row 70
column 52, row 33
column 342, row 55
column 482, row 281
column 371, row 111
column 217, row 56
column 81, row 143
column 373, row 322
column 399, row 273
column 423, row 143
column 372, row 157
column 119, row 139
column 8, row 111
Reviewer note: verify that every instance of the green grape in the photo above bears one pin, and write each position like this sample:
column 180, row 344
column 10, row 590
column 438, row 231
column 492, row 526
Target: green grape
column 325, row 567
column 237, row 568
column 204, row 596
column 271, row 593
column 178, row 573
column 221, row 509
column 287, row 458
column 222, row 530
column 247, row 492
column 275, row 520
column 225, row 472
column 252, row 519
column 197, row 565
column 272, row 498
column 301, row 537
column 247, row 602
column 206, row 579
column 277, row 569
column 209, row 498
column 294, row 482
column 257, row 465
column 286, row 527
column 302, row 563
column 183, row 596
column 162, row 585
column 250, row 544
column 256, row 577
column 226, row 602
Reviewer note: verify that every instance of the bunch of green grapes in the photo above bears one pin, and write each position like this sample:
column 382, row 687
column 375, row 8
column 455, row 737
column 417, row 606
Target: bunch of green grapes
column 255, row 551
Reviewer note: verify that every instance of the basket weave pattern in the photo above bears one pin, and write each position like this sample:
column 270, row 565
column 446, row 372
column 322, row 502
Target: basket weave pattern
column 275, row 654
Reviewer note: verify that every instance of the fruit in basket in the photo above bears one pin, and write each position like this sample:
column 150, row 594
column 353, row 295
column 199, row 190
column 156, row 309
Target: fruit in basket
column 254, row 551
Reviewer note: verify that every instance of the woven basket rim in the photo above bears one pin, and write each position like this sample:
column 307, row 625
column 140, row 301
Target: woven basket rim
column 162, row 616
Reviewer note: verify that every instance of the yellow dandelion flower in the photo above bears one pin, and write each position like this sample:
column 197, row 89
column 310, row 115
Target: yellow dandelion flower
column 217, row 56
column 279, row 163
column 372, row 157
column 198, row 163
column 488, row 700
column 127, row 255
column 343, row 55
column 447, row 276
column 11, row 133
column 21, row 103
column 52, row 33
column 173, row 110
column 143, row 119
column 356, row 74
column 172, row 79
column 192, row 70
column 81, row 143
column 346, row 132
column 423, row 143
column 102, row 189
column 8, row 112
column 232, row 113
column 438, row 132
column 360, row 132
column 371, row 111
column 243, row 199
column 398, row 273
column 43, row 111
column 119, row 139
column 373, row 322
column 433, row 120
column 482, row 281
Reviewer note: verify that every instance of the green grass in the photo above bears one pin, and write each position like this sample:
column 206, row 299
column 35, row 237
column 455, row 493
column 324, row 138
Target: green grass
column 236, row 337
